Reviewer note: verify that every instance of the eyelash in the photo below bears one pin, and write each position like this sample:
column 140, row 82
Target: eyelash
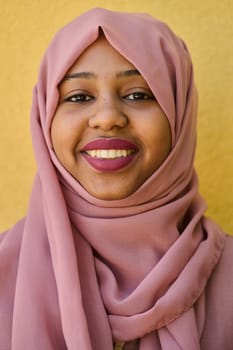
column 134, row 96
column 139, row 96
column 79, row 98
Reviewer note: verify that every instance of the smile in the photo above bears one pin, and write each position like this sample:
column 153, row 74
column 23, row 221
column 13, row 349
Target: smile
column 110, row 153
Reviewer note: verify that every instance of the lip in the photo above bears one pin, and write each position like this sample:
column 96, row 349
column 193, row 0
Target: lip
column 109, row 143
column 109, row 164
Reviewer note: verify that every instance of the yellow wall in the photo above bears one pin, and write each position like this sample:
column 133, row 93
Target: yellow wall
column 26, row 28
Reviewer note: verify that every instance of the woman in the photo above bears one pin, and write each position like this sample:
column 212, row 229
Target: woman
column 115, row 252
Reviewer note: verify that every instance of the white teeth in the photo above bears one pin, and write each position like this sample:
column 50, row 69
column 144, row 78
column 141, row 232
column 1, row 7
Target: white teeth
column 109, row 153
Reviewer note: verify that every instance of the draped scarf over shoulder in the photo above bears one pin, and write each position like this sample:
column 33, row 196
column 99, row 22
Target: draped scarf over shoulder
column 84, row 273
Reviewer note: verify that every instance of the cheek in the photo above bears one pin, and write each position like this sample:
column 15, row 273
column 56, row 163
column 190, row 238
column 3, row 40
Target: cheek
column 62, row 139
column 64, row 131
column 156, row 133
column 57, row 133
column 158, row 142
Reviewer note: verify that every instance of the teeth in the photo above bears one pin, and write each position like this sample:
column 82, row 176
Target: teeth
column 109, row 153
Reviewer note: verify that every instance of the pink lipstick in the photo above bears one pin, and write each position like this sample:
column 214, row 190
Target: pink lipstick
column 109, row 154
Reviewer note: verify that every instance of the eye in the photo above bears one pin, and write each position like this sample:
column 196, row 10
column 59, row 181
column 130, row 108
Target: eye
column 139, row 96
column 79, row 98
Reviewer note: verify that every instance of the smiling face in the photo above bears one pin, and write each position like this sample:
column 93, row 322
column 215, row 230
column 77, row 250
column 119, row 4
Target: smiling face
column 108, row 130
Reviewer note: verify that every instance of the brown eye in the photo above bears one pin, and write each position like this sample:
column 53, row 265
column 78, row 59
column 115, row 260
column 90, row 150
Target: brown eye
column 79, row 98
column 139, row 96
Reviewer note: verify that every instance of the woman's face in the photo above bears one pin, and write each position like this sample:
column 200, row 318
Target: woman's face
column 108, row 131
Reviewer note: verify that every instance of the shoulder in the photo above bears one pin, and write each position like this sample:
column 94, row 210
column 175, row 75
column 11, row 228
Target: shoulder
column 10, row 243
column 11, row 237
column 218, row 332
column 224, row 269
column 220, row 285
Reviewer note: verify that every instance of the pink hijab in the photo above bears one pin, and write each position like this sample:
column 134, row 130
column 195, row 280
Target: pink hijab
column 83, row 273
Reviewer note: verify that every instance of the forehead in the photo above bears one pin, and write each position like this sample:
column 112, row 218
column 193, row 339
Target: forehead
column 100, row 54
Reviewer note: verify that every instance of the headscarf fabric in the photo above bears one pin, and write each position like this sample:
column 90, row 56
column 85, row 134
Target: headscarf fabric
column 83, row 273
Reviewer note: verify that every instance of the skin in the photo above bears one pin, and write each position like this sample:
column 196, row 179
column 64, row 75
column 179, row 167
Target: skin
column 109, row 99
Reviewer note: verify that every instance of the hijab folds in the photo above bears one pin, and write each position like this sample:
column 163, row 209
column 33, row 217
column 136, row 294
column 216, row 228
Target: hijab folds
column 83, row 273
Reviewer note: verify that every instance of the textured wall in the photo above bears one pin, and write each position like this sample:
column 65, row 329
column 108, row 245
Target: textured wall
column 26, row 28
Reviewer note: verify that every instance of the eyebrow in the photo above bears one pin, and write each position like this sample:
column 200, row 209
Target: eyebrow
column 81, row 75
column 128, row 73
column 90, row 75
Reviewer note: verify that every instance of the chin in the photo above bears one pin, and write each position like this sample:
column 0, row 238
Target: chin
column 109, row 195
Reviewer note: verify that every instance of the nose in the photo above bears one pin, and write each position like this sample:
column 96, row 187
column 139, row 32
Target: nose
column 108, row 115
